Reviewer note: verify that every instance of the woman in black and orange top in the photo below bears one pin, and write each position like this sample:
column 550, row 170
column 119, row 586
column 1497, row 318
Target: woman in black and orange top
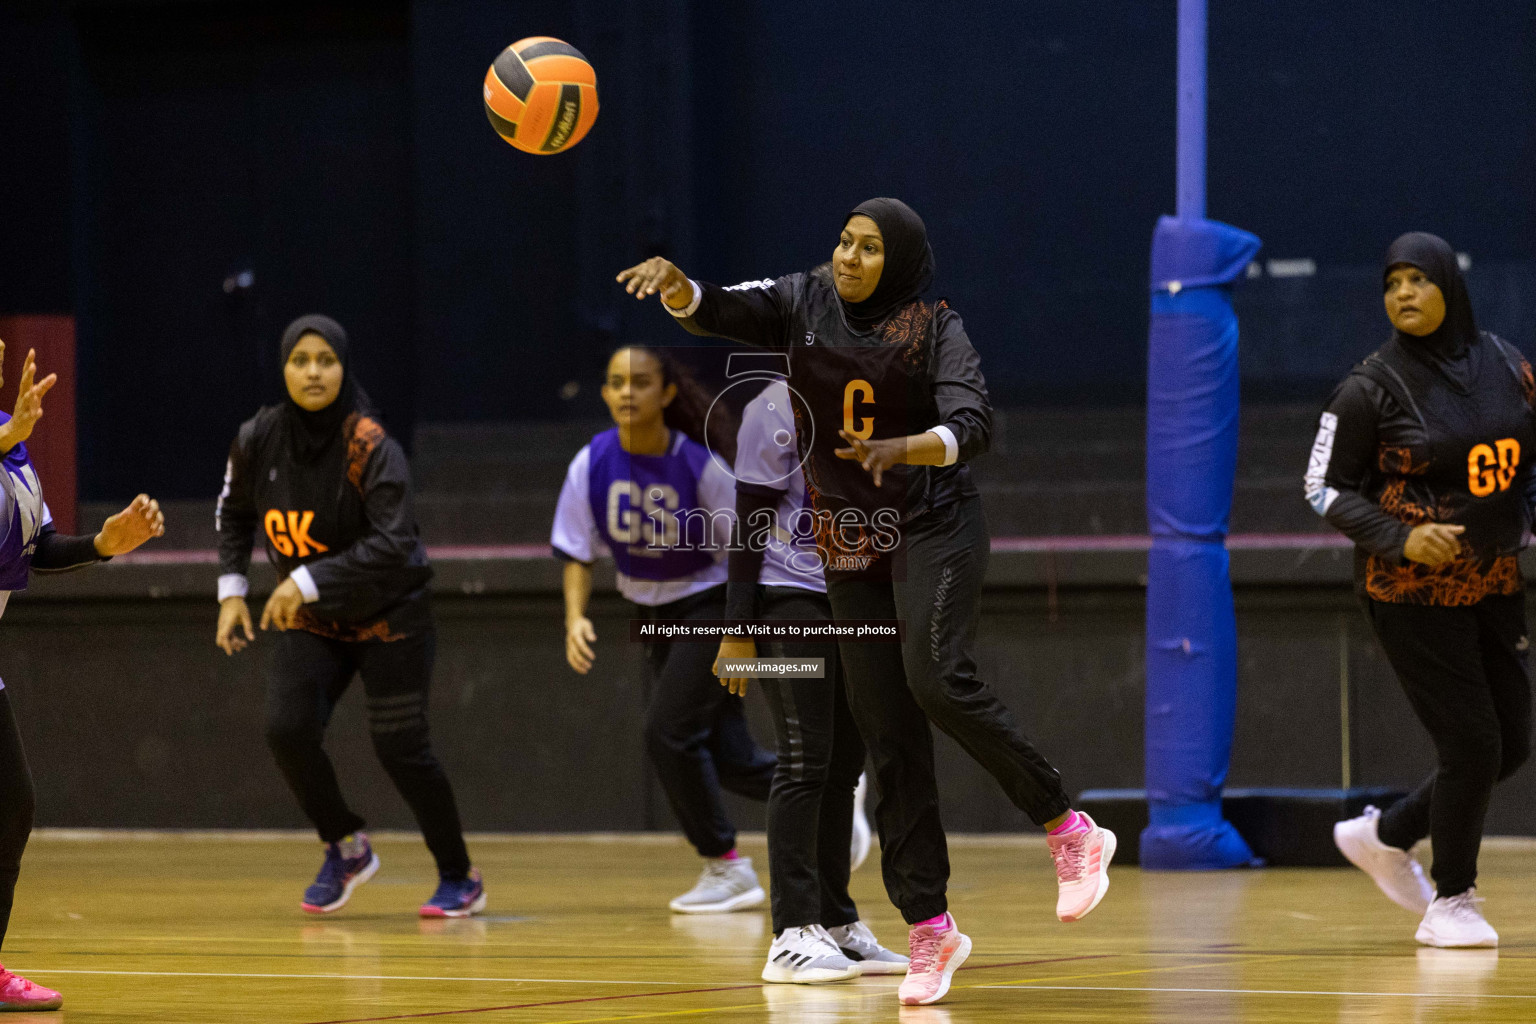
column 331, row 492
column 893, row 404
column 1422, row 459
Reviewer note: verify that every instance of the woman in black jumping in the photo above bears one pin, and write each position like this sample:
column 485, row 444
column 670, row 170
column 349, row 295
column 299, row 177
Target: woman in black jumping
column 900, row 525
column 1423, row 459
column 331, row 492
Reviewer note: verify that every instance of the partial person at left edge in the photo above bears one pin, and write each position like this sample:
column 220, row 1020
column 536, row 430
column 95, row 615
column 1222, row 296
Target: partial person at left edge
column 29, row 542
column 331, row 493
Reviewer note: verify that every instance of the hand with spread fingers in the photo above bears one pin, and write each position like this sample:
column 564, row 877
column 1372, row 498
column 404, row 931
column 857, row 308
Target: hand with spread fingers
column 875, row 456
column 29, row 401
column 658, row 275
column 140, row 522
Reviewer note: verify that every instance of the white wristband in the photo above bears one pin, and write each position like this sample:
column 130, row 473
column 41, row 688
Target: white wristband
column 306, row 584
column 951, row 446
column 232, row 584
column 693, row 306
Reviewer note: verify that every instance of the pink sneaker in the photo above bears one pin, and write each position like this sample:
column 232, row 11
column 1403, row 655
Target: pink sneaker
column 936, row 956
column 17, row 993
column 1082, row 869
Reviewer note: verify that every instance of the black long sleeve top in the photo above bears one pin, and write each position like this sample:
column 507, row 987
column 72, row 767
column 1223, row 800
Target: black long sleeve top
column 1398, row 446
column 918, row 371
column 343, row 528
column 58, row 552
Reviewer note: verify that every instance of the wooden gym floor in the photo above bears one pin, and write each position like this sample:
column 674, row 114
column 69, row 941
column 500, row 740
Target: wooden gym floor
column 207, row 929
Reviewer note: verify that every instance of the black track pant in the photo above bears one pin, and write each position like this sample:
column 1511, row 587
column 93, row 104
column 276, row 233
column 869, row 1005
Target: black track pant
column 696, row 730
column 17, row 803
column 1465, row 673
column 896, row 690
column 308, row 675
column 810, row 810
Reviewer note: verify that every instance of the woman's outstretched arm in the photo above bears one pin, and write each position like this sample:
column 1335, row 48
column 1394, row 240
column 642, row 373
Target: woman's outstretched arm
column 755, row 313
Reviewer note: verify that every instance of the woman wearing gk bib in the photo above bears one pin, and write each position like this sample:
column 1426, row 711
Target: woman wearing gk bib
column 649, row 492
column 1423, row 459
column 331, row 492
column 896, row 378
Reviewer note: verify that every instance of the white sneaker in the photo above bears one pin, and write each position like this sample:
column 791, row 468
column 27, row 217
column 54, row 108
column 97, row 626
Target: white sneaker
column 1456, row 922
column 859, row 848
column 1394, row 871
column 723, row 886
column 858, row 944
column 807, row 956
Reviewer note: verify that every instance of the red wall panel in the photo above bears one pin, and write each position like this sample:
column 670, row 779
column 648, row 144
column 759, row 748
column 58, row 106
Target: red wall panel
column 53, row 441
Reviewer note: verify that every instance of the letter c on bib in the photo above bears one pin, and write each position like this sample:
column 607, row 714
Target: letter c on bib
column 858, row 391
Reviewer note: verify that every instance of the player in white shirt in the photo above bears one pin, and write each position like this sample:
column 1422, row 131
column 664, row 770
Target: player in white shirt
column 776, row 575
column 656, row 494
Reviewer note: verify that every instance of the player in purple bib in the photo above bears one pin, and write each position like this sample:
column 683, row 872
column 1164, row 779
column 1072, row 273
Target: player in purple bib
column 656, row 493
column 30, row 543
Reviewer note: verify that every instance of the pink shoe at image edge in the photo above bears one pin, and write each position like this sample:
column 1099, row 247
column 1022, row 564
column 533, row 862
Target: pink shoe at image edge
column 1082, row 869
column 935, row 959
column 17, row 993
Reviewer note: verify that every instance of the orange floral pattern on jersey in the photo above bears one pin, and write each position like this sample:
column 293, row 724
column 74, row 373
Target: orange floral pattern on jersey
column 363, row 436
column 843, row 548
column 378, row 629
column 1397, row 461
column 838, row 548
column 1462, row 581
column 908, row 326
column 1454, row 584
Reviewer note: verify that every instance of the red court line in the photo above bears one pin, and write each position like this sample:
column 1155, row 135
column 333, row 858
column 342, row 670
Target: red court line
column 675, row 992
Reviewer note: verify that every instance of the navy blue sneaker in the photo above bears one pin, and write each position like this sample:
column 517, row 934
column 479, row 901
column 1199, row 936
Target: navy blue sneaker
column 456, row 897
column 348, row 864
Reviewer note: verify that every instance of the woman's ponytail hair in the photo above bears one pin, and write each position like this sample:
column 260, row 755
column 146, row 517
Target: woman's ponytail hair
column 689, row 411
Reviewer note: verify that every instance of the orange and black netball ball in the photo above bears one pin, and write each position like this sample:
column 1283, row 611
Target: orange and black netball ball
column 541, row 95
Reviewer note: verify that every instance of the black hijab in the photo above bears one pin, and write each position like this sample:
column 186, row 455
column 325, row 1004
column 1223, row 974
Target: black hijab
column 314, row 433
column 908, row 261
column 1451, row 347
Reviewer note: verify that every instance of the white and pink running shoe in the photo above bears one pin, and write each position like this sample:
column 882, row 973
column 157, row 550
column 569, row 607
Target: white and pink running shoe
column 1082, row 869
column 17, row 993
column 936, row 956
